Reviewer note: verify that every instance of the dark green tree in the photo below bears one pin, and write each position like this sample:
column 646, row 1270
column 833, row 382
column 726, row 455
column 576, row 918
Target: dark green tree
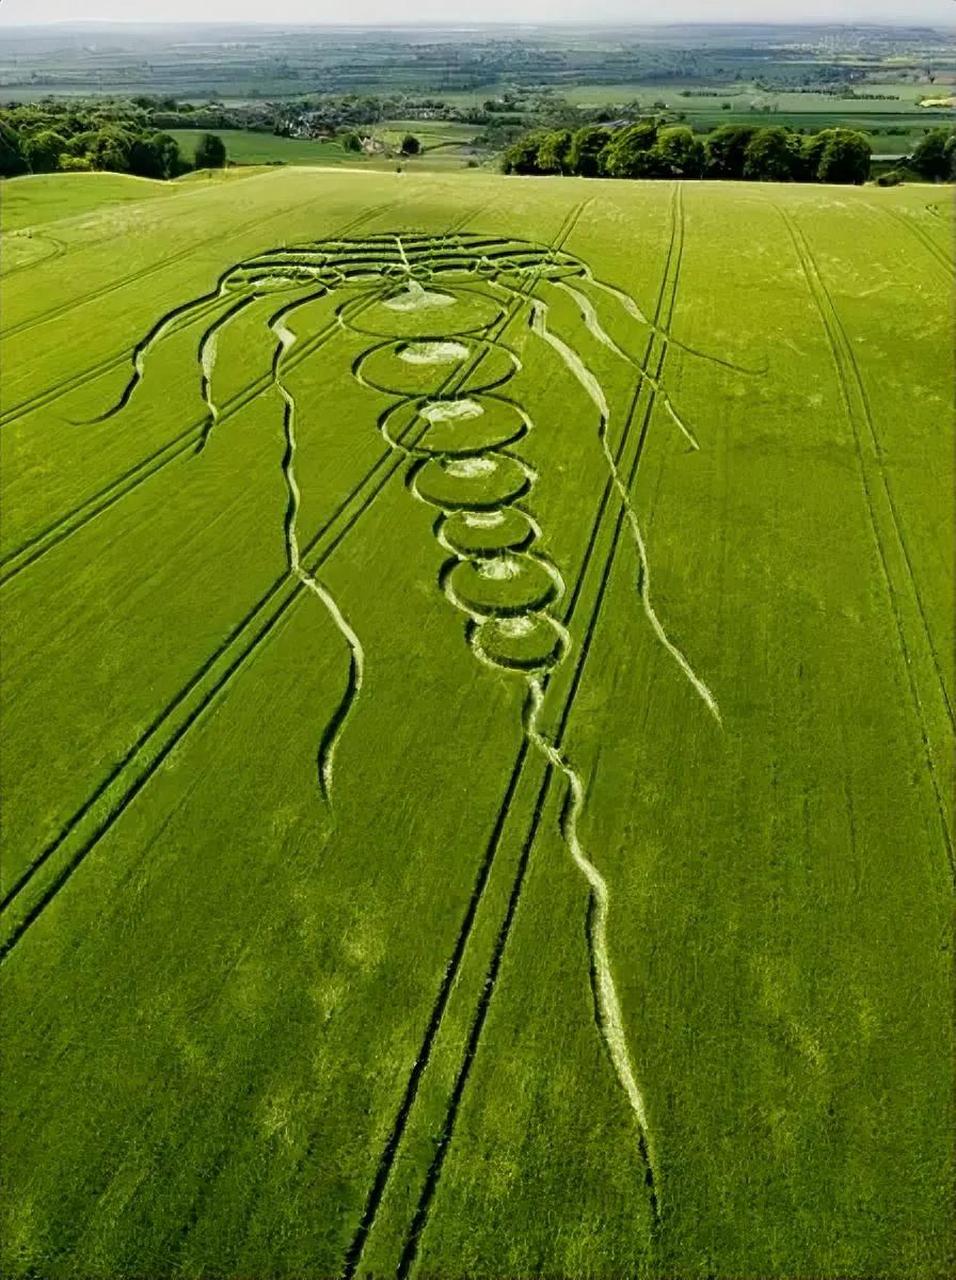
column 43, row 151
column 679, row 153
column 772, row 155
column 929, row 157
column 110, row 149
column 554, row 154
column 587, row 146
column 12, row 159
column 351, row 141
column 210, row 152
column 845, row 157
column 522, row 155
column 631, row 153
column 949, row 155
column 410, row 145
column 155, row 157
column 812, row 148
column 726, row 150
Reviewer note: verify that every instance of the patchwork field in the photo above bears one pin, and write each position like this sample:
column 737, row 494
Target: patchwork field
column 477, row 707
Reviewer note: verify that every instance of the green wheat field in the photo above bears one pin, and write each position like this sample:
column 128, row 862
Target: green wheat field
column 477, row 697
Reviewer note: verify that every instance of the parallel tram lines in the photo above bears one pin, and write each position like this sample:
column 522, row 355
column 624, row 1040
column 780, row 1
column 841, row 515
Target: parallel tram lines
column 663, row 316
column 891, row 548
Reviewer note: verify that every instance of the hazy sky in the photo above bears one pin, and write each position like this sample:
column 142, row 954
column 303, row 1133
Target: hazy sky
column 356, row 11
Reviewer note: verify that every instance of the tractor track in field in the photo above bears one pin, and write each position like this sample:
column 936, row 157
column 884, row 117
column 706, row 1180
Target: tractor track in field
column 393, row 1142
column 283, row 593
column 209, row 303
column 193, row 437
column 59, row 248
column 943, row 260
column 850, row 379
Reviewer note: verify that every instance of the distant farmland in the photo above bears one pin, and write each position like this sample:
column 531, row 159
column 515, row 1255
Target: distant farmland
column 477, row 709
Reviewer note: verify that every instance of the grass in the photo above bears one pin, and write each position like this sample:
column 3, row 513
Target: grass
column 443, row 147
column 246, row 146
column 250, row 1032
column 41, row 199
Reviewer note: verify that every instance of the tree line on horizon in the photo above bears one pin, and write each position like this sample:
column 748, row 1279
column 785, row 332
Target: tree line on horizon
column 78, row 141
column 735, row 152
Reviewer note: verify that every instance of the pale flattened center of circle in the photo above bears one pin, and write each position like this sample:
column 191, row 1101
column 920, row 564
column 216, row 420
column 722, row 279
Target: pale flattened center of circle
column 432, row 352
column 500, row 569
column 471, row 466
column 447, row 410
column 484, row 519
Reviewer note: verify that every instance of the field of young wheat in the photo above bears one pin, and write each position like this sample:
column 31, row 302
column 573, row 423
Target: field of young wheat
column 477, row 703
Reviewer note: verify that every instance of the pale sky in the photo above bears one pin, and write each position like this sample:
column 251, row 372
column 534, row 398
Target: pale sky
column 278, row 12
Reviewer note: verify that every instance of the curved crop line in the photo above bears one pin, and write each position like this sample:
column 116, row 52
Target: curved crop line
column 77, row 380
column 141, row 348
column 596, row 329
column 209, row 298
column 675, row 250
column 389, row 1152
column 611, row 1017
column 631, row 307
column 594, row 390
column 333, row 731
column 206, row 355
column 59, row 248
column 76, row 519
column 253, row 223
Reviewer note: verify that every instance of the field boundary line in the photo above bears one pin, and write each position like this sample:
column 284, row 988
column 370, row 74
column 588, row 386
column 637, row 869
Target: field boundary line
column 845, row 367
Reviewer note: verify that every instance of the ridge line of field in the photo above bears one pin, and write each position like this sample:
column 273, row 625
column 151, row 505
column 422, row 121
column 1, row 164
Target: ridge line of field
column 843, row 358
column 487, row 990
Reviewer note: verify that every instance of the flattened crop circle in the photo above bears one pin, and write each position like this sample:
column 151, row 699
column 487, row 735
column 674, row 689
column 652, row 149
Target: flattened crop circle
column 472, row 534
column 422, row 367
column 434, row 312
column 462, row 426
column 514, row 583
column 525, row 642
column 472, row 484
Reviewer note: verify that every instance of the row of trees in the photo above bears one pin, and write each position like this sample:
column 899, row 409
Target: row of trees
column 74, row 142
column 935, row 156
column 649, row 149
